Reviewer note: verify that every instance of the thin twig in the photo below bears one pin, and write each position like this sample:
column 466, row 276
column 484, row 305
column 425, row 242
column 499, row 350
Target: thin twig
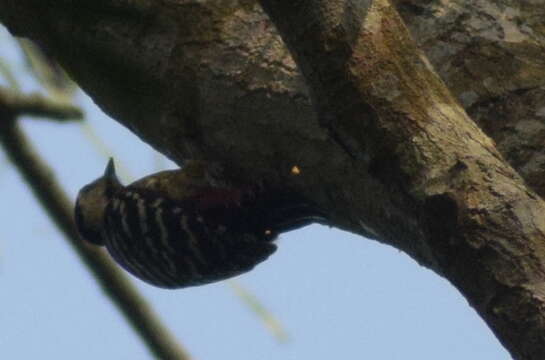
column 37, row 105
column 257, row 307
column 55, row 202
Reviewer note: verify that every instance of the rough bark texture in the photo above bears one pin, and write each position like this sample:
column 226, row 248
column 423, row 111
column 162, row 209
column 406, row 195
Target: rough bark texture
column 389, row 152
column 490, row 54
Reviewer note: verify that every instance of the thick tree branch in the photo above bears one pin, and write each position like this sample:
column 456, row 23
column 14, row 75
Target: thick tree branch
column 474, row 220
column 490, row 54
column 55, row 202
column 166, row 60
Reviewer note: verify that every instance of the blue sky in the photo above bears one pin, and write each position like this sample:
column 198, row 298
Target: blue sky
column 338, row 296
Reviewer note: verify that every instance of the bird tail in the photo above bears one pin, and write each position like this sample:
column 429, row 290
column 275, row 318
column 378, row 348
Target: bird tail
column 289, row 212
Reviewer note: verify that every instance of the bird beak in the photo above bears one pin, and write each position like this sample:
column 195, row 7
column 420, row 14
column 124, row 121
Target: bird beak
column 109, row 173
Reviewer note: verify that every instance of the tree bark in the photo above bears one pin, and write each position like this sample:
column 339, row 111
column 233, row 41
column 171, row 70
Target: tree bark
column 386, row 148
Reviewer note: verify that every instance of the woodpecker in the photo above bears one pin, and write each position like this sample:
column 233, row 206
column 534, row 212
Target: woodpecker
column 178, row 228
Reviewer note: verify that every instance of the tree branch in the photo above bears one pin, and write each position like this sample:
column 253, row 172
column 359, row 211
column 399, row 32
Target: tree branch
column 470, row 211
column 55, row 202
column 489, row 53
column 38, row 106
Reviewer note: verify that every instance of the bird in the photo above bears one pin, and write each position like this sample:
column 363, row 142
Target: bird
column 179, row 228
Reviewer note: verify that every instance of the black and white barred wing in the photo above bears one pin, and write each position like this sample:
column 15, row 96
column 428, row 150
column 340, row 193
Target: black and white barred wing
column 171, row 244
